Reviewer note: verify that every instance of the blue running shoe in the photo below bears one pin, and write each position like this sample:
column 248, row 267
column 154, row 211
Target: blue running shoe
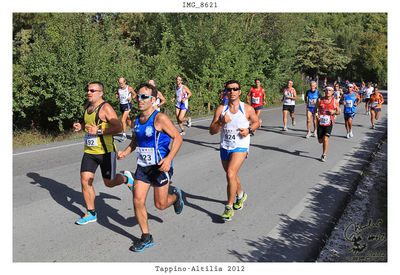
column 129, row 184
column 178, row 204
column 145, row 241
column 87, row 219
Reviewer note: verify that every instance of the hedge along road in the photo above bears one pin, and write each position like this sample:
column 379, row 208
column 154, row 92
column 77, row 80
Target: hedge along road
column 293, row 198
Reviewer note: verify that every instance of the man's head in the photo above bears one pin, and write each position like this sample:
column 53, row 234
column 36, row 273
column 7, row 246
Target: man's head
column 146, row 96
column 328, row 91
column 94, row 91
column 152, row 82
column 122, row 82
column 313, row 86
column 179, row 80
column 350, row 88
column 336, row 87
column 233, row 90
column 257, row 81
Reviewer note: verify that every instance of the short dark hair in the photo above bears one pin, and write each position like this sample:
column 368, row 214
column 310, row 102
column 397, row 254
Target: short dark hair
column 150, row 87
column 259, row 79
column 101, row 86
column 232, row 82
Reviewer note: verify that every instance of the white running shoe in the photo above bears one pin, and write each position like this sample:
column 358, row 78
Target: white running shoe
column 348, row 135
column 308, row 135
column 189, row 122
column 351, row 134
column 293, row 122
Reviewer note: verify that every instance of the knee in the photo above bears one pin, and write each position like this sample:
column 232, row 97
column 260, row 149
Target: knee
column 231, row 175
column 138, row 202
column 86, row 180
column 160, row 205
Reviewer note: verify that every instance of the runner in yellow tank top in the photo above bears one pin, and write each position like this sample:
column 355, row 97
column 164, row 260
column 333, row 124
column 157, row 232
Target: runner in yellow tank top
column 100, row 123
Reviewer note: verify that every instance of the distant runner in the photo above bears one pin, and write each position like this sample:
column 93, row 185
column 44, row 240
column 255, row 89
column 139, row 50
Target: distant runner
column 257, row 96
column 350, row 102
column 182, row 95
column 160, row 98
column 311, row 98
column 326, row 109
column 376, row 101
column 289, row 97
column 125, row 94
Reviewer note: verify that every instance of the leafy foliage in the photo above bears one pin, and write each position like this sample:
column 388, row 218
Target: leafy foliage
column 55, row 56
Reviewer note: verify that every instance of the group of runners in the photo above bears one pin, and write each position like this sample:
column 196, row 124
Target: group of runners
column 156, row 140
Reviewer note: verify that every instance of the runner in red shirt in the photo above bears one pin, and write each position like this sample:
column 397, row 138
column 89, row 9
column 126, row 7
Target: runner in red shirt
column 257, row 95
column 326, row 109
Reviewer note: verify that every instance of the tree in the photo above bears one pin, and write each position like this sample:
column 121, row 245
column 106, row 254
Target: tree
column 317, row 55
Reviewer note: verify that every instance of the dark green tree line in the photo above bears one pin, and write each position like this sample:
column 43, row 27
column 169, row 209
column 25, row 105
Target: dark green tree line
column 56, row 55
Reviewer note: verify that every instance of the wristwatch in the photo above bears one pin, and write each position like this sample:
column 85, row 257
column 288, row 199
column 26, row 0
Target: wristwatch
column 99, row 132
column 251, row 132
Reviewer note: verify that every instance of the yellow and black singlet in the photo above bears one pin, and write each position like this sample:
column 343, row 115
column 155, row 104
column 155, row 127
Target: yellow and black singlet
column 95, row 144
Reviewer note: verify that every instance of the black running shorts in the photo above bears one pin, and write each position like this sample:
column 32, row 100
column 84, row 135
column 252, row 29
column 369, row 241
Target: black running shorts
column 107, row 162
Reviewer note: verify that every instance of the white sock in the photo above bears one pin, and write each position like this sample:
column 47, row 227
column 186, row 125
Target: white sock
column 240, row 195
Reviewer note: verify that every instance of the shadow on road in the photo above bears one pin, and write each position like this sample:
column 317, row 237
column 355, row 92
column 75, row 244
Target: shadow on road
column 215, row 218
column 213, row 145
column 67, row 197
column 300, row 239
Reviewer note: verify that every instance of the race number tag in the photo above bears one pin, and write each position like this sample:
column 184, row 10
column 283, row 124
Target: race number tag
column 230, row 137
column 146, row 156
column 374, row 104
column 255, row 100
column 90, row 140
column 324, row 120
column 349, row 103
column 311, row 103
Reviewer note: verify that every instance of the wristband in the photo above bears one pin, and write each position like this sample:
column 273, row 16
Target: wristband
column 251, row 132
column 99, row 132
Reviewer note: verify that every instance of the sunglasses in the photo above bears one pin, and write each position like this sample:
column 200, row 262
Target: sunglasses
column 232, row 89
column 92, row 90
column 144, row 96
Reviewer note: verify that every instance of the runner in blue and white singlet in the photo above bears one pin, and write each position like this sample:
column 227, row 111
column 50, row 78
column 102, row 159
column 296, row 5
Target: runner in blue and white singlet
column 182, row 95
column 156, row 142
column 153, row 145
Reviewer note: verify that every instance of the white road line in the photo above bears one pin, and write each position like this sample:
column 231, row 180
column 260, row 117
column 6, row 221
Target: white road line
column 46, row 149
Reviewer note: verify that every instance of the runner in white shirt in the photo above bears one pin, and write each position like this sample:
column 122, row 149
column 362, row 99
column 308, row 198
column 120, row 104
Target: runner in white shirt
column 368, row 93
column 232, row 120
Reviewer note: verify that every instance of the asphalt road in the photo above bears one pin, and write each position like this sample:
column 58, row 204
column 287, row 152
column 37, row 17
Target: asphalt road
column 293, row 198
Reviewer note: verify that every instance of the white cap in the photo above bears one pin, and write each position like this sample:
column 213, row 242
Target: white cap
column 329, row 88
column 350, row 85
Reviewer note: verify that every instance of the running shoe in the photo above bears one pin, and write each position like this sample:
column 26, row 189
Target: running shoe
column 87, row 219
column 313, row 134
column 178, row 204
column 293, row 122
column 348, row 135
column 228, row 214
column 144, row 242
column 183, row 133
column 308, row 135
column 189, row 122
column 323, row 158
column 238, row 205
column 284, row 128
column 373, row 126
column 129, row 176
column 122, row 139
column 351, row 134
